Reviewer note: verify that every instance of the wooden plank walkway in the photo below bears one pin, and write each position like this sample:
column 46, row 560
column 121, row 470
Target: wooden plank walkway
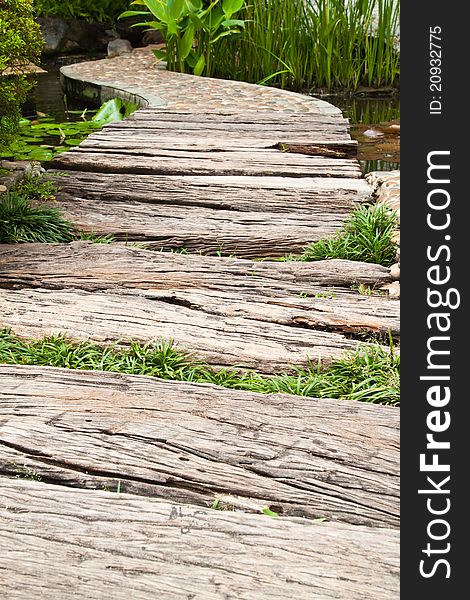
column 246, row 216
column 254, row 185
column 84, row 547
column 223, row 311
column 191, row 443
column 257, row 184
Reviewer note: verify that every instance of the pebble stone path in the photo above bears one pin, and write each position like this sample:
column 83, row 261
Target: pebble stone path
column 108, row 482
column 140, row 73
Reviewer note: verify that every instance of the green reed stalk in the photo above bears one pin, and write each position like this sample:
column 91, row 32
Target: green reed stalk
column 305, row 44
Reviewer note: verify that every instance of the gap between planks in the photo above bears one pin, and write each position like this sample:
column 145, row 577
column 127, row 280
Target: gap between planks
column 224, row 311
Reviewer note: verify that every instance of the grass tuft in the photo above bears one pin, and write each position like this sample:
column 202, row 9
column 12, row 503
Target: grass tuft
column 28, row 214
column 370, row 374
column 23, row 220
column 366, row 237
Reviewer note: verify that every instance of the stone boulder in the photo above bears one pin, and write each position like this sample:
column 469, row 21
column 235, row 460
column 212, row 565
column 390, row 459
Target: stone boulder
column 119, row 47
column 54, row 31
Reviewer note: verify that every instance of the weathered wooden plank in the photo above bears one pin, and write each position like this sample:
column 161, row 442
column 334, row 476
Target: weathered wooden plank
column 199, row 229
column 223, row 115
column 68, row 544
column 130, row 266
column 225, row 287
column 204, row 331
column 302, row 144
column 188, row 442
column 181, row 162
column 241, row 120
column 320, row 132
column 316, row 197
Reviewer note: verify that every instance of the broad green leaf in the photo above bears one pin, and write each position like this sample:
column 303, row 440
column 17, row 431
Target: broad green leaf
column 157, row 8
column 191, row 59
column 109, row 112
column 72, row 142
column 201, row 63
column 173, row 28
column 233, row 23
column 151, row 25
column 175, row 8
column 232, row 6
column 40, row 154
column 194, row 5
column 215, row 18
column 132, row 13
column 224, row 34
column 197, row 21
column 186, row 43
column 160, row 54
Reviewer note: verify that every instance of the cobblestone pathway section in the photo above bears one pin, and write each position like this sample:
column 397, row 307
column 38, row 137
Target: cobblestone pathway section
column 142, row 75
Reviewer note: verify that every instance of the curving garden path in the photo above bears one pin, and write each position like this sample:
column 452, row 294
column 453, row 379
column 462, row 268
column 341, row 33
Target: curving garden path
column 129, row 466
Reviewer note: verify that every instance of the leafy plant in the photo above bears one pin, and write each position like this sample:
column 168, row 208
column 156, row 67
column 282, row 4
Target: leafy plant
column 366, row 237
column 190, row 29
column 370, row 374
column 37, row 188
column 27, row 214
column 104, row 11
column 114, row 110
column 20, row 44
column 267, row 511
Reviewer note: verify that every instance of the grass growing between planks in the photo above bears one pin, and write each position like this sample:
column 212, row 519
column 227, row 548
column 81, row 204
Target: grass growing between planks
column 28, row 214
column 370, row 374
column 21, row 220
column 365, row 237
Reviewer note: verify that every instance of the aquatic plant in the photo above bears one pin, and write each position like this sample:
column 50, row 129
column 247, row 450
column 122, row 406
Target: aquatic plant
column 190, row 29
column 42, row 139
column 308, row 44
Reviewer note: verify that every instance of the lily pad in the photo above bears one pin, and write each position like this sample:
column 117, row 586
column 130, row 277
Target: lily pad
column 41, row 154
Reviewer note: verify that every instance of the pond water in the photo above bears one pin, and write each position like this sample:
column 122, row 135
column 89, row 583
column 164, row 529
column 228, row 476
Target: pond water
column 48, row 95
column 375, row 121
column 375, row 124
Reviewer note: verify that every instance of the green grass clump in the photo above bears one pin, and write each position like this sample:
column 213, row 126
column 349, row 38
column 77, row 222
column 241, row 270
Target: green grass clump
column 36, row 187
column 370, row 374
column 27, row 214
column 23, row 220
column 91, row 236
column 366, row 237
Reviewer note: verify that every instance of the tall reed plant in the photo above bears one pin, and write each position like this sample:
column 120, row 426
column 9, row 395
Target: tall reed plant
column 307, row 44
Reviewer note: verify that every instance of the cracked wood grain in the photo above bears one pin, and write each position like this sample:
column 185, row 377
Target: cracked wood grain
column 190, row 442
column 261, row 291
column 91, row 544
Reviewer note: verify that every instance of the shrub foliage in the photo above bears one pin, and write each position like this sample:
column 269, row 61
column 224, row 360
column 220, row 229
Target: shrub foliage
column 20, row 44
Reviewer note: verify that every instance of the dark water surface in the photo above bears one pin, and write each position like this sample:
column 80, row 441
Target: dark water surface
column 375, row 124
